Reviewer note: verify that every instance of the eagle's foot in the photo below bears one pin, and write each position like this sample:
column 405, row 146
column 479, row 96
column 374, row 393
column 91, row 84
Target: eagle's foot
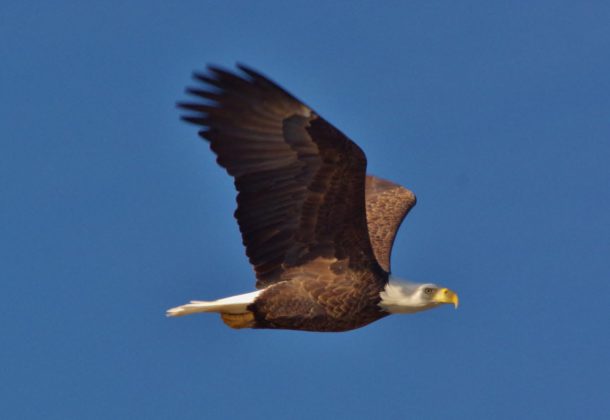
column 243, row 320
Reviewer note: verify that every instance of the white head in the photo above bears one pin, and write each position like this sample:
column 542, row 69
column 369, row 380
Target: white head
column 405, row 297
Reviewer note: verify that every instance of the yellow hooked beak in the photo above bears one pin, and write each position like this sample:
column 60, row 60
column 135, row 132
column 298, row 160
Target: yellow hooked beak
column 445, row 295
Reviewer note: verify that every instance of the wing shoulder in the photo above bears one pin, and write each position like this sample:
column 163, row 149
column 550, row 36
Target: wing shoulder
column 387, row 204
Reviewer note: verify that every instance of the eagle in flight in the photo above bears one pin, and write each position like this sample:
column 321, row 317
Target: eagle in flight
column 317, row 229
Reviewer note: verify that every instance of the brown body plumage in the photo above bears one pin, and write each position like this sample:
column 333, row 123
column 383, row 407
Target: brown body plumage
column 317, row 230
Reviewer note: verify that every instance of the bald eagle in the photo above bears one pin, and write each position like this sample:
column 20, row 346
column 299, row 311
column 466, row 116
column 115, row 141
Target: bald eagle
column 317, row 230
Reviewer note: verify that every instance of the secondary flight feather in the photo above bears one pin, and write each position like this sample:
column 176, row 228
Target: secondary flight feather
column 317, row 230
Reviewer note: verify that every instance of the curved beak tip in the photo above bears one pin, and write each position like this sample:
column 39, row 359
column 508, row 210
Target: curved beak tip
column 453, row 298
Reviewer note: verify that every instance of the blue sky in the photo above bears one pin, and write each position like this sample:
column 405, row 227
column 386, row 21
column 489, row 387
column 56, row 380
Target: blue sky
column 497, row 114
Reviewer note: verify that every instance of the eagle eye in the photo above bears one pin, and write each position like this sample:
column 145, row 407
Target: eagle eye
column 428, row 290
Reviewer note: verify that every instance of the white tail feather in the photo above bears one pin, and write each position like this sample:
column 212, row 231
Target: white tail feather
column 232, row 305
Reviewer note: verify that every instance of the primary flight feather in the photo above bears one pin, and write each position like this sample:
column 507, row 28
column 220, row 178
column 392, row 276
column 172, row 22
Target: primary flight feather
column 317, row 230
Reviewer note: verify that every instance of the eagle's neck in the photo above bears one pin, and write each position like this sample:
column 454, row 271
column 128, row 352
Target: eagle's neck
column 403, row 297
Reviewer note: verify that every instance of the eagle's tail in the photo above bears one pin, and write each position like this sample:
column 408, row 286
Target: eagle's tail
column 193, row 307
column 230, row 305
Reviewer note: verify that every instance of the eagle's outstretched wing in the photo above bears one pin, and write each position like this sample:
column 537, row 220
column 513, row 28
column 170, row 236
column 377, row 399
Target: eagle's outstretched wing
column 300, row 181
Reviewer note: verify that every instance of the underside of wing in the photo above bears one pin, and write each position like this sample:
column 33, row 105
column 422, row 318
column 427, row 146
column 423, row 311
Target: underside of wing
column 387, row 204
column 300, row 181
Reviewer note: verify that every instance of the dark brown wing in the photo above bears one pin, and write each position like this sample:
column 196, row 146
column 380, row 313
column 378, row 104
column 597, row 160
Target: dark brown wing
column 300, row 181
column 387, row 204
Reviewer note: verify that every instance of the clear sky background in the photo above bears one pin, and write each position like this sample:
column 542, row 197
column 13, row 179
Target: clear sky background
column 497, row 114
